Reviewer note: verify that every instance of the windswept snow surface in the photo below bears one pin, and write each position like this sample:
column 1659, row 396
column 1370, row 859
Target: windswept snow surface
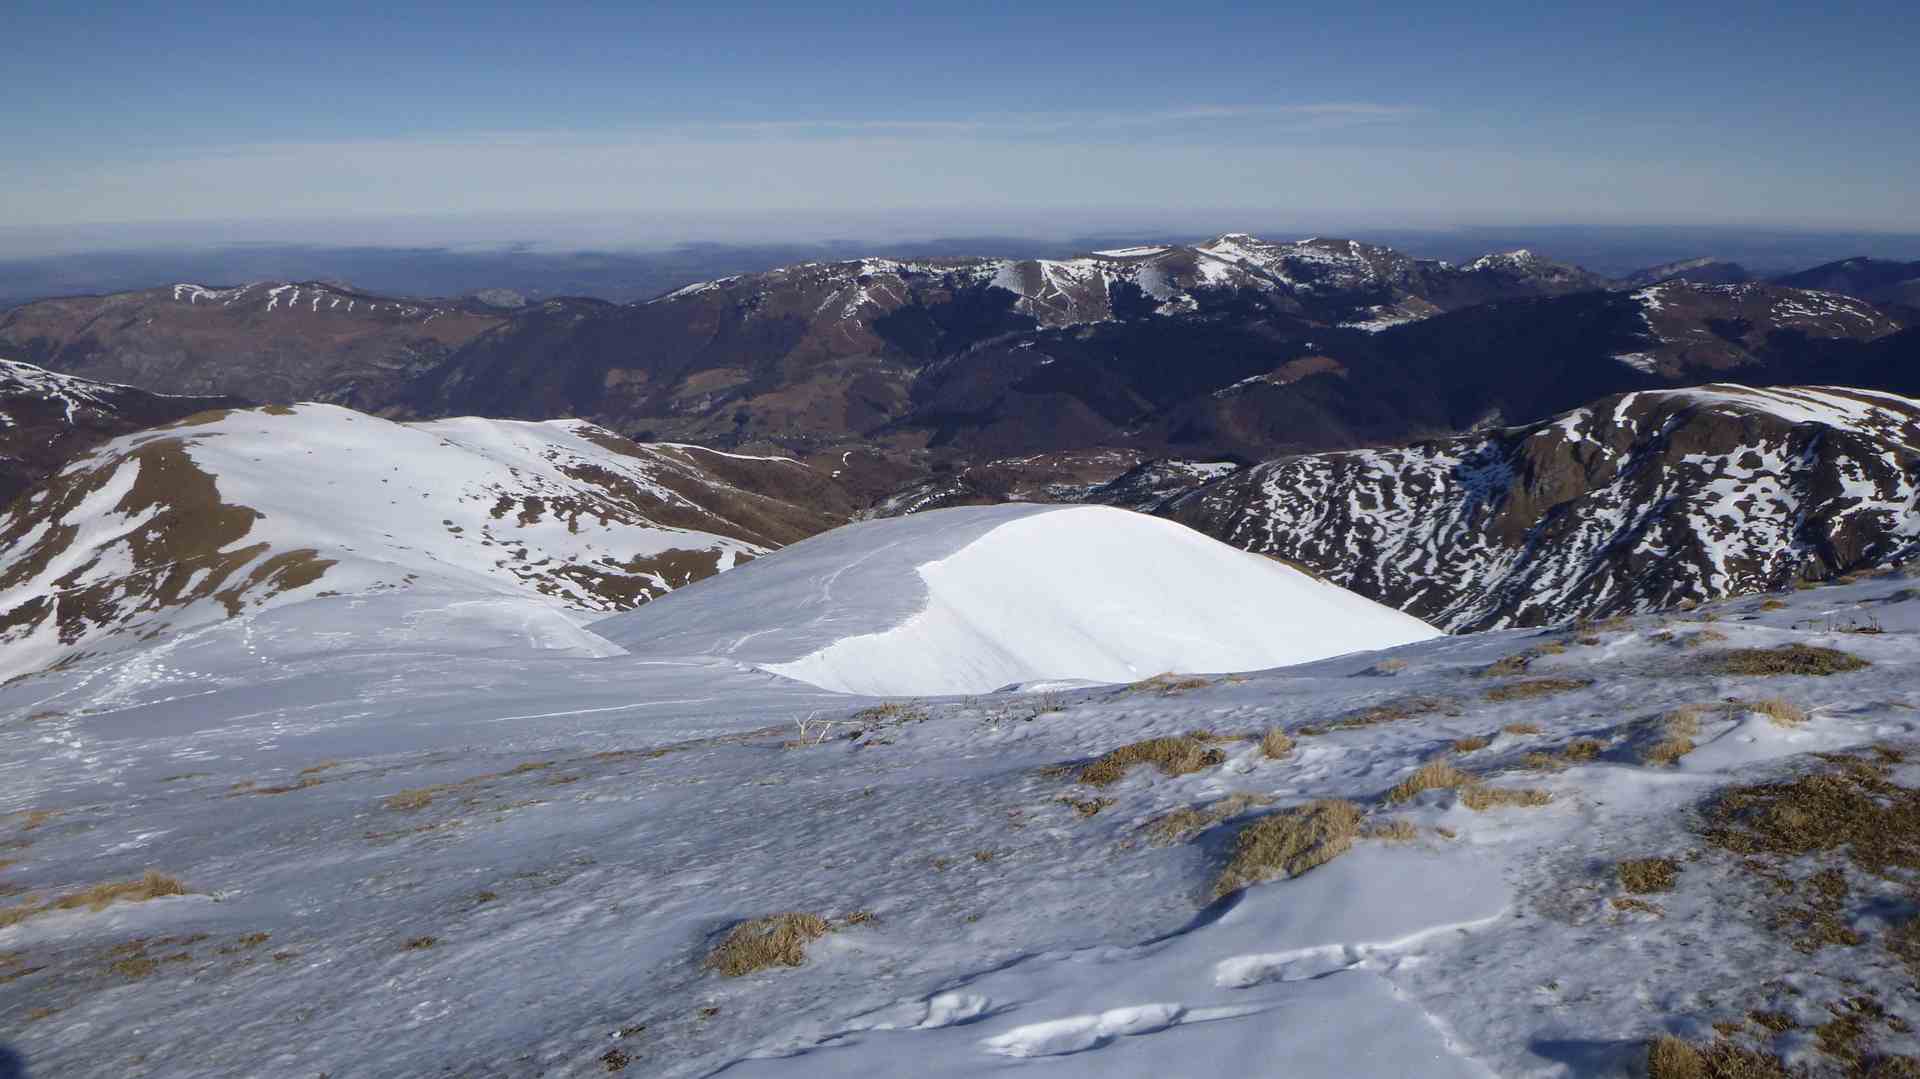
column 969, row 599
column 1287, row 975
column 426, row 832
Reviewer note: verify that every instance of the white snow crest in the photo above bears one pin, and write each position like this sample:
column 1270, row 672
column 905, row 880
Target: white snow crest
column 967, row 600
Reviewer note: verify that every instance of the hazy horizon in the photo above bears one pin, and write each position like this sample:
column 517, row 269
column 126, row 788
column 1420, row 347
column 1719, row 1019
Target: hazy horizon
column 477, row 124
column 585, row 263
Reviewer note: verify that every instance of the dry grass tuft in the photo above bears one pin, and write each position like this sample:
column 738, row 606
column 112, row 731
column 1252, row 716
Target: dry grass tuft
column 1275, row 744
column 1642, row 876
column 1522, row 728
column 1670, row 1058
column 1178, row 826
column 1389, row 712
column 1791, row 659
column 1468, row 745
column 1903, row 941
column 1582, row 749
column 1289, row 843
column 1677, row 731
column 1390, row 665
column 1509, row 666
column 1536, row 687
column 1479, row 798
column 778, row 940
column 1188, row 821
column 1169, row 682
column 1673, row 1058
column 1391, row 831
column 1773, row 605
column 1778, row 1022
column 1852, row 808
column 153, row 885
column 1700, row 637
column 1783, row 712
column 34, row 818
column 1087, row 807
column 893, row 712
column 1433, row 775
column 1176, row 756
column 409, row 800
column 318, row 768
column 1682, row 722
column 1667, row 751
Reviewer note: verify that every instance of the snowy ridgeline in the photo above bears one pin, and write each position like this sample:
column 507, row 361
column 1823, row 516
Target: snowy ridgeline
column 439, row 829
column 179, row 527
column 975, row 599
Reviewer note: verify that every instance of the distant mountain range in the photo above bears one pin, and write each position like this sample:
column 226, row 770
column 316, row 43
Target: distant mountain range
column 1146, row 376
column 1233, row 347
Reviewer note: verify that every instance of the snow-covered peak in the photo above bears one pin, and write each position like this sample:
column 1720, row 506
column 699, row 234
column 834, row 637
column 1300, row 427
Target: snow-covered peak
column 969, row 599
column 1518, row 259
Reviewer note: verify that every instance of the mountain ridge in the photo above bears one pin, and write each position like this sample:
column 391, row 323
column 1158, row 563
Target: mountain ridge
column 1637, row 502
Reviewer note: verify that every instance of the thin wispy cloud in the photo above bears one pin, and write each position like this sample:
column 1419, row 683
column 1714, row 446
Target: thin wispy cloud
column 1312, row 116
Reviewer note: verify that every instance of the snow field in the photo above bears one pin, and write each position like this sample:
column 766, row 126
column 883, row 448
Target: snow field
column 590, row 826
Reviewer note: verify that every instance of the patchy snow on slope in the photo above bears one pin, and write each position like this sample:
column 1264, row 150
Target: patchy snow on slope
column 969, row 599
column 1382, row 318
column 271, row 506
column 72, row 393
column 1446, row 528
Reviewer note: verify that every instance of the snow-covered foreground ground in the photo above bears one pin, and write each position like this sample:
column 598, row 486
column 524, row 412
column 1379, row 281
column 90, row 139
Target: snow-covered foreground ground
column 428, row 833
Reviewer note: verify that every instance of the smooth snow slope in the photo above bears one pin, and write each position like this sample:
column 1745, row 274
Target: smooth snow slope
column 970, row 599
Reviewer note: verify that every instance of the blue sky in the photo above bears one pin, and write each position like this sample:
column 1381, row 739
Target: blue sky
column 948, row 114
